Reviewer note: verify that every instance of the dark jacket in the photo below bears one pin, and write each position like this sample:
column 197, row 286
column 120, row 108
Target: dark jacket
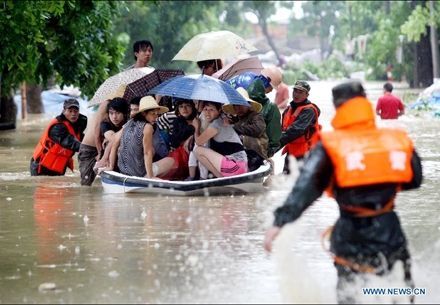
column 359, row 238
column 302, row 125
column 61, row 135
column 270, row 113
column 252, row 130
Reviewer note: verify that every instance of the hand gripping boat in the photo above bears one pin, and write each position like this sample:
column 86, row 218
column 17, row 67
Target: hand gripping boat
column 250, row 182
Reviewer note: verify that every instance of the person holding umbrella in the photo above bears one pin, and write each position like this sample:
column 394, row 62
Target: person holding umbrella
column 226, row 155
column 210, row 66
column 250, row 126
column 257, row 90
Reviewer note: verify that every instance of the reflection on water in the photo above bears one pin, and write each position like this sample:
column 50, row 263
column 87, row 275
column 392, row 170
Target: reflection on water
column 63, row 243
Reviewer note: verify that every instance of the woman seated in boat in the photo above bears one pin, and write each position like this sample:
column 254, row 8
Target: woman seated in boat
column 175, row 165
column 225, row 155
column 251, row 127
column 140, row 142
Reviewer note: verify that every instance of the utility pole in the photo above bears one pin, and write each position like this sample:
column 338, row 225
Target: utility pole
column 434, row 42
column 23, row 101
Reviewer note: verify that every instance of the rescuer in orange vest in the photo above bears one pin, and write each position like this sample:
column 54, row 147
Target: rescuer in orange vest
column 362, row 167
column 299, row 124
column 59, row 142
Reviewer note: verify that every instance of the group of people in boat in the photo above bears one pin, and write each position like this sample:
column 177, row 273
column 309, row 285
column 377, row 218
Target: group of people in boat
column 149, row 136
column 363, row 167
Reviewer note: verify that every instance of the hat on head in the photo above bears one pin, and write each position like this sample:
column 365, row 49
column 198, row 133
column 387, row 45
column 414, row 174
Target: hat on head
column 71, row 103
column 302, row 85
column 274, row 75
column 255, row 106
column 149, row 103
column 346, row 91
column 117, row 93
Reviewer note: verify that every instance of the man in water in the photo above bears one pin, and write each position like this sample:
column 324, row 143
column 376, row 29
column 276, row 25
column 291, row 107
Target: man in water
column 389, row 106
column 59, row 142
column 362, row 167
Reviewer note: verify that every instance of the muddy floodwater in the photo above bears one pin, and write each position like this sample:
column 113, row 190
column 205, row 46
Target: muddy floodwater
column 63, row 243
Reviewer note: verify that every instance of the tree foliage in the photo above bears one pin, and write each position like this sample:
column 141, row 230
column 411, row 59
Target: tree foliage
column 170, row 24
column 69, row 39
column 322, row 22
column 419, row 20
column 381, row 22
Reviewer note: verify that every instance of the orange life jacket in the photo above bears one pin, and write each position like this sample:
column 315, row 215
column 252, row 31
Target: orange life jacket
column 372, row 156
column 300, row 146
column 52, row 155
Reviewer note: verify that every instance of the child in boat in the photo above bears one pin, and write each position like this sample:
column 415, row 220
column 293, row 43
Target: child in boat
column 175, row 165
column 117, row 112
column 193, row 163
column 225, row 155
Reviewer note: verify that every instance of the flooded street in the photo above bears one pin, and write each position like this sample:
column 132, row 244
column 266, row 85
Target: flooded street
column 63, row 243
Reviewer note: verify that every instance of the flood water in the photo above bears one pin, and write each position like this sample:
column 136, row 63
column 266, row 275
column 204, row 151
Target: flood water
column 63, row 243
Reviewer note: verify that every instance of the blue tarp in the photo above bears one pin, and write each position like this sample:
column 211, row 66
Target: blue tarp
column 428, row 100
column 53, row 103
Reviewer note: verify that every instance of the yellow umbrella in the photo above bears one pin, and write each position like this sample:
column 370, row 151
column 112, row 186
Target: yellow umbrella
column 214, row 45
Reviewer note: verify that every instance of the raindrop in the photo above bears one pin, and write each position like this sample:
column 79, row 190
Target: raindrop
column 86, row 219
column 8, row 198
column 77, row 250
column 61, row 247
column 192, row 260
column 46, row 286
column 113, row 274
column 143, row 214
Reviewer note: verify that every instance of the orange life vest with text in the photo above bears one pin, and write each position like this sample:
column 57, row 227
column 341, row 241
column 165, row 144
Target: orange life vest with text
column 300, row 146
column 365, row 157
column 52, row 155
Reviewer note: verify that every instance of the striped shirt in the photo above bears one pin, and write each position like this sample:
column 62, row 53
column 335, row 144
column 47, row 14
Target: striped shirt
column 165, row 121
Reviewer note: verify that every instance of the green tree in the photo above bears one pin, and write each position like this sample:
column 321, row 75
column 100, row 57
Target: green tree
column 424, row 20
column 381, row 21
column 71, row 40
column 320, row 19
column 263, row 10
column 170, row 24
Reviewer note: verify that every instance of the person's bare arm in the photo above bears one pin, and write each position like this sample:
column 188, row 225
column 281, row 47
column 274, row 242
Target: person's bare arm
column 108, row 135
column 401, row 108
column 148, row 150
column 378, row 107
column 205, row 136
column 114, row 151
column 100, row 116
